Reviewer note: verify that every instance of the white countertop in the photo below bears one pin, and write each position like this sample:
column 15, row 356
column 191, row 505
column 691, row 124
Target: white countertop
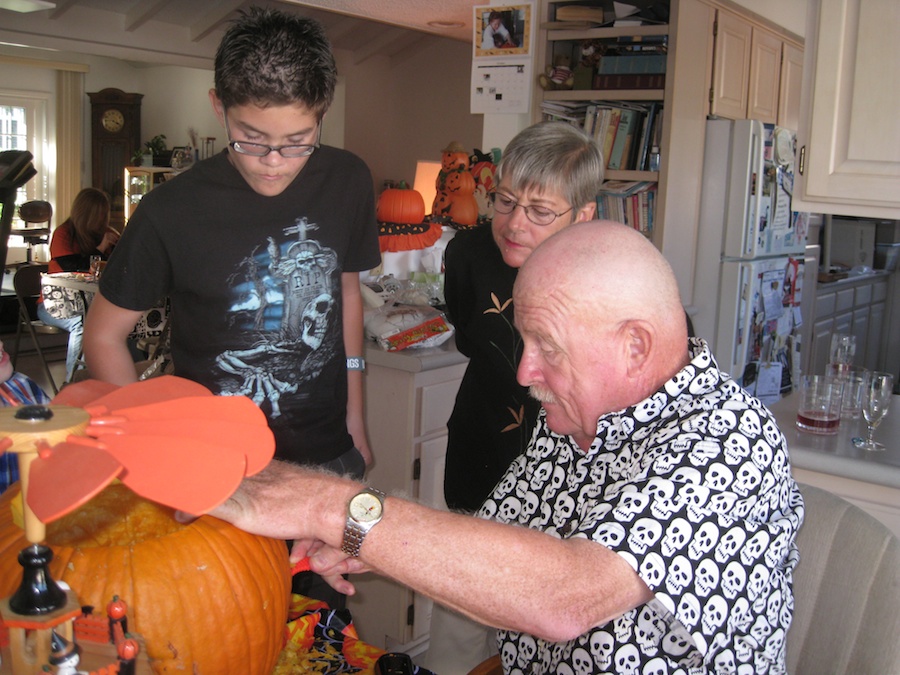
column 836, row 454
column 415, row 359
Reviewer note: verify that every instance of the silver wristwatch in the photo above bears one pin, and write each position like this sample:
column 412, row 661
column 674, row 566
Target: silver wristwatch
column 363, row 513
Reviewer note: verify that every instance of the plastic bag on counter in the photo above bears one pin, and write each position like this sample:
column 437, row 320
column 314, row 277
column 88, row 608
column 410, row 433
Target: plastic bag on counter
column 422, row 289
column 396, row 326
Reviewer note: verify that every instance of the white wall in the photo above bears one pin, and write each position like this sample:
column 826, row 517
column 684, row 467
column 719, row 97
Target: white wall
column 389, row 114
column 400, row 113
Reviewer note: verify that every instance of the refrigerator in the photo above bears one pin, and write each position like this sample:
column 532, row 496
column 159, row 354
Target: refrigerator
column 751, row 256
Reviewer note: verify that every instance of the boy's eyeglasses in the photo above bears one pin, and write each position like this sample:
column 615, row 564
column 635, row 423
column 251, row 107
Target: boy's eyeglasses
column 539, row 215
column 261, row 150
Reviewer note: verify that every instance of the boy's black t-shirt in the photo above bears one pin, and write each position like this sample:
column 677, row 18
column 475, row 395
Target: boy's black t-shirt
column 255, row 287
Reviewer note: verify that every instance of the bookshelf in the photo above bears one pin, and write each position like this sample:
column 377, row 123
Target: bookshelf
column 566, row 38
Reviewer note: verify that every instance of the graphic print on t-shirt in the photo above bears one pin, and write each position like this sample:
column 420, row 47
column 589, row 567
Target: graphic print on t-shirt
column 284, row 298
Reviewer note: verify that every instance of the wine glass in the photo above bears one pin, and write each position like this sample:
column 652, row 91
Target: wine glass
column 876, row 400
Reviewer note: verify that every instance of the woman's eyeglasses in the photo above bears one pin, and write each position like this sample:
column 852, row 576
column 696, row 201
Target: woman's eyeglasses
column 539, row 215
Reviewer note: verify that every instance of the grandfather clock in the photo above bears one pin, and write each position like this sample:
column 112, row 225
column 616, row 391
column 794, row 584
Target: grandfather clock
column 115, row 135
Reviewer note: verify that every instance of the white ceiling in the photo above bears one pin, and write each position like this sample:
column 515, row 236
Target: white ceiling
column 186, row 32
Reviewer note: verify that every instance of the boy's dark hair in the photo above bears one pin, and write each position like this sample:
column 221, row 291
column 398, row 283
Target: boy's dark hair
column 268, row 57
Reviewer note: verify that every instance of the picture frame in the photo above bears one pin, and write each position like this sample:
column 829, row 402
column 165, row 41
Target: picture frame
column 502, row 30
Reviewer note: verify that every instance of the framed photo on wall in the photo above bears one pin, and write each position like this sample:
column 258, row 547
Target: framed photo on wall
column 503, row 30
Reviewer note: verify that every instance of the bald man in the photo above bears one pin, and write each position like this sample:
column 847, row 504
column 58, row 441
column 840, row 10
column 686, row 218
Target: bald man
column 649, row 525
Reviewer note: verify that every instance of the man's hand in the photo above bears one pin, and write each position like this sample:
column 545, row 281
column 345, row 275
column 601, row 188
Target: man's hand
column 329, row 563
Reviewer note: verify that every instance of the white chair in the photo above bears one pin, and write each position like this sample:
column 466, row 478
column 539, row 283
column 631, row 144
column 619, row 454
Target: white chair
column 846, row 591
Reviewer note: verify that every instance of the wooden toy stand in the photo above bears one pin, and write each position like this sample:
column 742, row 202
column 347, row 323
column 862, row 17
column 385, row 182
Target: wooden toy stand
column 30, row 630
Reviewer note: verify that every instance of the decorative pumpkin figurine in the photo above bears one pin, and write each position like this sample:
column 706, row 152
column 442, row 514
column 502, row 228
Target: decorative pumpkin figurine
column 401, row 221
column 206, row 597
column 454, row 203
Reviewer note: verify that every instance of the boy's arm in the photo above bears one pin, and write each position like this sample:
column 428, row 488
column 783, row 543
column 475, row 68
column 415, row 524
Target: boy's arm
column 106, row 330
column 353, row 346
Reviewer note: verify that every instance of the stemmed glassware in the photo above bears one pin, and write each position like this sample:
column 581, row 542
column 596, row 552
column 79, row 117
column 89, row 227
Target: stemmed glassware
column 876, row 400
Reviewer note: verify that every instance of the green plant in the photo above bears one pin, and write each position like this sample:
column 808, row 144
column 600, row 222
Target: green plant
column 157, row 144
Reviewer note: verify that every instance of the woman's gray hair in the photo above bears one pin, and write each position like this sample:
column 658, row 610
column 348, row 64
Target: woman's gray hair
column 554, row 157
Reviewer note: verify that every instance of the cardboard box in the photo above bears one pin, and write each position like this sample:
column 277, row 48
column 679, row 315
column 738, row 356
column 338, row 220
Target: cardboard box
column 852, row 242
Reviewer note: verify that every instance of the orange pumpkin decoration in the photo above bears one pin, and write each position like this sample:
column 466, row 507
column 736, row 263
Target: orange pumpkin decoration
column 400, row 205
column 207, row 597
column 454, row 156
column 464, row 210
column 116, row 609
column 460, row 181
column 128, row 649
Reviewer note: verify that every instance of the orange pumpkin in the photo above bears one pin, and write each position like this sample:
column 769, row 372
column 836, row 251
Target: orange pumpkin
column 460, row 181
column 128, row 649
column 207, row 597
column 464, row 210
column 401, row 205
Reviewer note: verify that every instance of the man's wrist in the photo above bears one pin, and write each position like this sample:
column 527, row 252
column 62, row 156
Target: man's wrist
column 356, row 363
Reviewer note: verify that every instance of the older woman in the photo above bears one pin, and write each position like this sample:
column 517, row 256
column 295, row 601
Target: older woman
column 547, row 179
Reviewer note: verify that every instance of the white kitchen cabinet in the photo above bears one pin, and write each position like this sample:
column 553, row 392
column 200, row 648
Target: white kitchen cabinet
column 765, row 75
column 791, row 86
column 731, row 71
column 409, row 398
column 874, row 352
column 849, row 131
column 856, row 306
column 756, row 72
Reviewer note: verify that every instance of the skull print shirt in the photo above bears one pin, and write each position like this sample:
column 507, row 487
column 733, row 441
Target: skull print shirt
column 693, row 488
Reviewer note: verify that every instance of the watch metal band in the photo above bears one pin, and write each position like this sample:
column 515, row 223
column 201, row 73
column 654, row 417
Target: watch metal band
column 353, row 539
column 354, row 532
column 356, row 363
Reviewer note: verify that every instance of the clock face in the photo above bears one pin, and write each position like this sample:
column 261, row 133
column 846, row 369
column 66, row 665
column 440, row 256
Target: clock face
column 112, row 120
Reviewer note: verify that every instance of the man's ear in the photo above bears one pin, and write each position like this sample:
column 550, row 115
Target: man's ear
column 639, row 338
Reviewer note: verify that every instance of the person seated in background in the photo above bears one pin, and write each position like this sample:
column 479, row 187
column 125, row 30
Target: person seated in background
column 650, row 525
column 15, row 389
column 85, row 233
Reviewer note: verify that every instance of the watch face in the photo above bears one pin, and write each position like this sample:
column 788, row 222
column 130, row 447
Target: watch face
column 112, row 120
column 365, row 508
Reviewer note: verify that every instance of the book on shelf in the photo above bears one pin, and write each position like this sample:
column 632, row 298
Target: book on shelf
column 609, row 137
column 619, row 157
column 648, row 133
column 628, row 202
column 619, row 64
column 630, row 81
column 580, row 13
column 573, row 112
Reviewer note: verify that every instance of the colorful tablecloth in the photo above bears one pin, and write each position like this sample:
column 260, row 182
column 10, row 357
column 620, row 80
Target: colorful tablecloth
column 324, row 640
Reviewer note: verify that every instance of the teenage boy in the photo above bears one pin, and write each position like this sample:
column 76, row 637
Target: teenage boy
column 259, row 250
